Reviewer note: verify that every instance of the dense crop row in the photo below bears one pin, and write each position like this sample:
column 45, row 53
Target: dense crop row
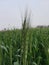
column 31, row 48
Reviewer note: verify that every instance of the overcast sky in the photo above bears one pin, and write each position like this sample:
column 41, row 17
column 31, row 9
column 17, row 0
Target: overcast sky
column 11, row 11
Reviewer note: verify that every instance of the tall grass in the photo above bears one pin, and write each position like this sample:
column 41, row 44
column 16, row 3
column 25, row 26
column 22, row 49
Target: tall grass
column 25, row 38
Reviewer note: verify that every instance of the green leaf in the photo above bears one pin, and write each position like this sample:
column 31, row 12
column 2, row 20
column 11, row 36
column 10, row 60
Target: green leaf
column 34, row 63
column 16, row 63
column 3, row 47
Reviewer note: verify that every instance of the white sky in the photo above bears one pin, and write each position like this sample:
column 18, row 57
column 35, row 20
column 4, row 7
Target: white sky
column 11, row 10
